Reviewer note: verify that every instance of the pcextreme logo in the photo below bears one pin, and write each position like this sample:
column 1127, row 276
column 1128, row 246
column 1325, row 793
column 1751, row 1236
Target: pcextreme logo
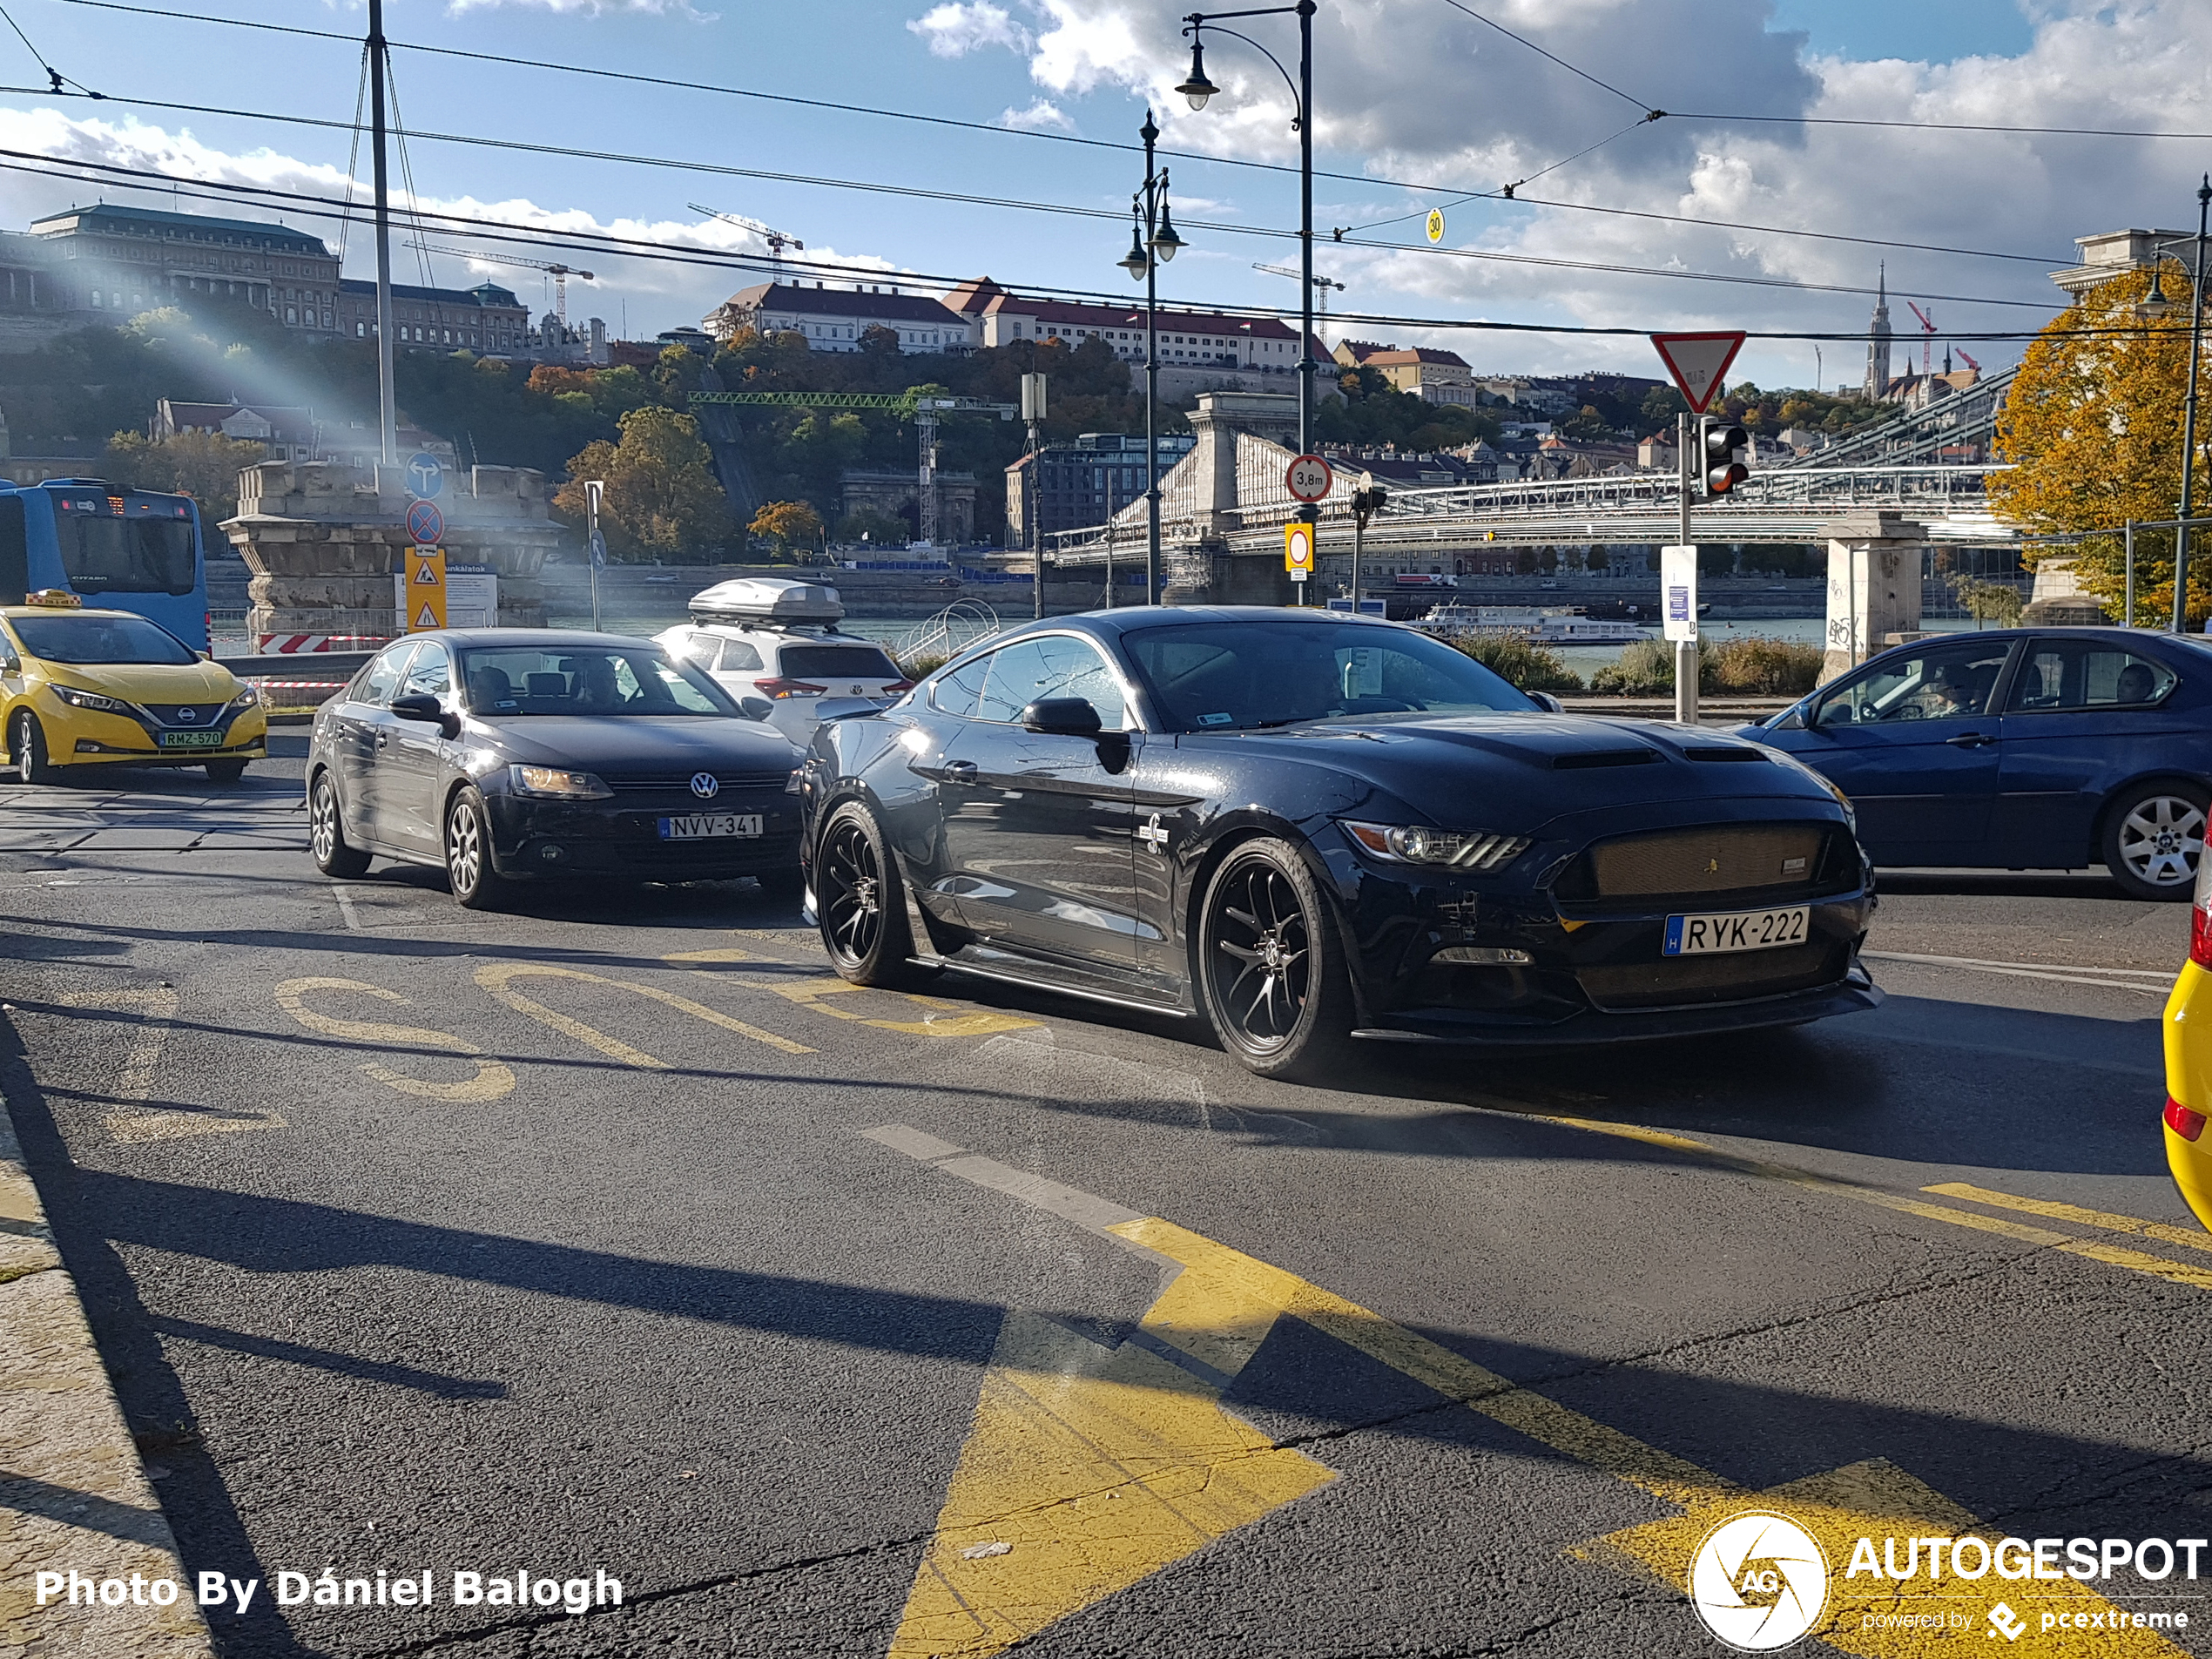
column 1758, row 1581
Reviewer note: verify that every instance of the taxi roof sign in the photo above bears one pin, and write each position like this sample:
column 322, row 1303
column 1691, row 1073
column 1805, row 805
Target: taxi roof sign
column 55, row 598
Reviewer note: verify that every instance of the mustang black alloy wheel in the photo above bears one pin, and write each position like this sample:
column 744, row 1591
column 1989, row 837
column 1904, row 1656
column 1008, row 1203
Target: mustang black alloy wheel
column 859, row 899
column 1271, row 968
column 333, row 855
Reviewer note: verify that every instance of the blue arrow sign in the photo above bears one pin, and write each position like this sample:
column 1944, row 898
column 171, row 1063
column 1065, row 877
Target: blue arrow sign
column 426, row 477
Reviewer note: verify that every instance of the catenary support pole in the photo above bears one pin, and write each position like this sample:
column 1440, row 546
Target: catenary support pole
column 387, row 408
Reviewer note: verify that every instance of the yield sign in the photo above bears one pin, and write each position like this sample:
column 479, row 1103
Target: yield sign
column 1698, row 363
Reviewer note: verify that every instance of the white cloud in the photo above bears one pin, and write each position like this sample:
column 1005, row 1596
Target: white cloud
column 1043, row 116
column 959, row 27
column 589, row 7
column 1426, row 93
column 661, row 294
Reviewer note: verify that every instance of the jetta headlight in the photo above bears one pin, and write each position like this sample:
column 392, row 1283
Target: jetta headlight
column 1481, row 851
column 560, row 786
column 77, row 699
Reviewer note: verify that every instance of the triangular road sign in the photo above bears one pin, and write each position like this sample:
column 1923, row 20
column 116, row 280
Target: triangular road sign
column 428, row 619
column 1698, row 363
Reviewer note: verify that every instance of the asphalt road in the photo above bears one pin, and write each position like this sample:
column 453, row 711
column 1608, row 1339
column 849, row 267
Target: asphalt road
column 613, row 1237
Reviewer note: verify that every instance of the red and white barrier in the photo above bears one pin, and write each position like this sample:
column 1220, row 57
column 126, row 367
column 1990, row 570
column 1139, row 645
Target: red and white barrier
column 285, row 644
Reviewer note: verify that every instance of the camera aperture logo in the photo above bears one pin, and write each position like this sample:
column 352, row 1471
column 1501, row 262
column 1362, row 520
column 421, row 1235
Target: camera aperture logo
column 1759, row 1581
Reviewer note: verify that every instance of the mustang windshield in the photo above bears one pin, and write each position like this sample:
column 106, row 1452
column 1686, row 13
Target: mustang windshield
column 1243, row 674
column 559, row 679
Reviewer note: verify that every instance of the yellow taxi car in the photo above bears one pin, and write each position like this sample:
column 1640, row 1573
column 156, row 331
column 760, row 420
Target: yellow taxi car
column 83, row 688
column 2189, row 1058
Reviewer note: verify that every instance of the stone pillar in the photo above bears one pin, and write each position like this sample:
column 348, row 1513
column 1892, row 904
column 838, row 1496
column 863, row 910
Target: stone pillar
column 1874, row 561
column 322, row 541
column 2057, row 600
column 1207, row 488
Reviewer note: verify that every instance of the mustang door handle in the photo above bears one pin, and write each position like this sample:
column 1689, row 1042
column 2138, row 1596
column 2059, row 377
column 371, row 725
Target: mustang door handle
column 1969, row 740
column 960, row 772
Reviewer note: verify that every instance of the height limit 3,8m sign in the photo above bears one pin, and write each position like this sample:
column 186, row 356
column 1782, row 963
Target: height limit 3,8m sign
column 1308, row 478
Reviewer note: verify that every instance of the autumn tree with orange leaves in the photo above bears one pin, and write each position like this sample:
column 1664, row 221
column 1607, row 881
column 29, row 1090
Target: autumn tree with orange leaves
column 2093, row 424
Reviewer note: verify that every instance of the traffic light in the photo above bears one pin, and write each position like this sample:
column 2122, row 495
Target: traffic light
column 1722, row 443
column 1370, row 500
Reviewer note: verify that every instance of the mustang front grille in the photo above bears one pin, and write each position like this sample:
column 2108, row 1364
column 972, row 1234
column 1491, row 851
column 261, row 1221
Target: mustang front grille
column 1724, row 858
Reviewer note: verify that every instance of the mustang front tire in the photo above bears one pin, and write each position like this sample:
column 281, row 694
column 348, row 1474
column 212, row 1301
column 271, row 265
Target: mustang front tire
column 860, row 902
column 1271, row 970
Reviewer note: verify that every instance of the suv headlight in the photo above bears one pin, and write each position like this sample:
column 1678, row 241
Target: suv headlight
column 77, row 699
column 1480, row 850
column 556, row 784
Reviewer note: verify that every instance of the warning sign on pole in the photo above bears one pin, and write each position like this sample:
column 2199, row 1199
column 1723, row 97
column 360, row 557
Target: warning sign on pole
column 424, row 606
column 1297, row 549
column 1698, row 363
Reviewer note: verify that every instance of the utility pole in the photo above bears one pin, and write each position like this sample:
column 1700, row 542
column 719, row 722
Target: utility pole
column 1154, row 199
column 1307, row 368
column 388, row 409
column 597, row 548
column 1685, row 650
column 2188, row 421
column 1033, row 414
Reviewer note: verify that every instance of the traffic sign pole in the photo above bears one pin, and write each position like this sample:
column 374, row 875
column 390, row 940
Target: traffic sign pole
column 597, row 548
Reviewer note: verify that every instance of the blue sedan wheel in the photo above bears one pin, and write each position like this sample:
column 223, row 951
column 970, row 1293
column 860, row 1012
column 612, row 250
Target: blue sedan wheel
column 2154, row 837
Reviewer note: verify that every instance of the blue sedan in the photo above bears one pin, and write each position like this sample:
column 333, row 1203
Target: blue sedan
column 2022, row 748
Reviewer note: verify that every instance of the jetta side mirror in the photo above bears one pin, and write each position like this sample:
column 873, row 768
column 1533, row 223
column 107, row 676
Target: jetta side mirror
column 755, row 708
column 1067, row 717
column 421, row 706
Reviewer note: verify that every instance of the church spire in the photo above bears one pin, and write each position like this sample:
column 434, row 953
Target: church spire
column 1877, row 341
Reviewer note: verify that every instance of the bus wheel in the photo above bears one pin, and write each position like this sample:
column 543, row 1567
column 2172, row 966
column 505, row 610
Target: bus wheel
column 225, row 772
column 27, row 746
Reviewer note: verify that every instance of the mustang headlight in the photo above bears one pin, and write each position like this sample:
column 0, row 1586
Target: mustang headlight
column 77, row 699
column 1479, row 851
column 557, row 785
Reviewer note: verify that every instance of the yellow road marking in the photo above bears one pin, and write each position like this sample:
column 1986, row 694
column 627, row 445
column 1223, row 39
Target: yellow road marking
column 156, row 1006
column 496, row 977
column 2193, row 1237
column 977, row 1023
column 728, row 954
column 492, row 1079
column 2134, row 1261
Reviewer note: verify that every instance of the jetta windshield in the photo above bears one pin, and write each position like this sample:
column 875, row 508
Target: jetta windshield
column 593, row 680
column 1243, row 675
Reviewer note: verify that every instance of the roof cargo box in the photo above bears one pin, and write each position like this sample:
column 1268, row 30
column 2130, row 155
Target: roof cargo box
column 758, row 598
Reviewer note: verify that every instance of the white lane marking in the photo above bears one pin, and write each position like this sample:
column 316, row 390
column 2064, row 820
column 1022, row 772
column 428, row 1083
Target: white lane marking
column 1036, row 1056
column 2115, row 979
column 156, row 1006
column 1086, row 1209
column 345, row 909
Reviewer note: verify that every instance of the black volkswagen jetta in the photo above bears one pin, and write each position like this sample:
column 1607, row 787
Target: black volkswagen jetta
column 1305, row 828
column 507, row 753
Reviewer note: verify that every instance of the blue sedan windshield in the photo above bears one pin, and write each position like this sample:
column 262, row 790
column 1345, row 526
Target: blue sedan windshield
column 1245, row 673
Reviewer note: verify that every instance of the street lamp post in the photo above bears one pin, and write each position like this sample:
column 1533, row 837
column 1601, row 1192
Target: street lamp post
column 1152, row 242
column 1198, row 89
column 2156, row 305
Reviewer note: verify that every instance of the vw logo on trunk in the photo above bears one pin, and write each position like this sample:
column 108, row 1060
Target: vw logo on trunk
column 705, row 785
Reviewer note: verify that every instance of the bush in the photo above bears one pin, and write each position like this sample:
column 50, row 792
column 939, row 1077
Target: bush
column 922, row 667
column 1520, row 661
column 1748, row 666
column 1646, row 666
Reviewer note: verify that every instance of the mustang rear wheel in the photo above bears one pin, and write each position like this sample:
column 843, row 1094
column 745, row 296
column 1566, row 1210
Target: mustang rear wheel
column 858, row 896
column 2154, row 837
column 1272, row 973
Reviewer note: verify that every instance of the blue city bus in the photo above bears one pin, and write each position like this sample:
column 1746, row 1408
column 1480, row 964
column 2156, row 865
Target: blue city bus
column 135, row 549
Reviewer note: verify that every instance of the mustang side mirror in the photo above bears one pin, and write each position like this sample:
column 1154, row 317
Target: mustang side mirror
column 421, row 706
column 1067, row 717
column 1546, row 701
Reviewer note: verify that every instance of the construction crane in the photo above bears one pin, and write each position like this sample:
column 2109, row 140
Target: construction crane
column 1969, row 362
column 923, row 411
column 1321, row 287
column 1927, row 341
column 559, row 273
column 777, row 241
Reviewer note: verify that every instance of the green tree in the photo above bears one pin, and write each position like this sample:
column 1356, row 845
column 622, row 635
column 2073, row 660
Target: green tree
column 1587, row 425
column 203, row 465
column 2093, row 425
column 1660, row 407
column 789, row 524
column 662, row 497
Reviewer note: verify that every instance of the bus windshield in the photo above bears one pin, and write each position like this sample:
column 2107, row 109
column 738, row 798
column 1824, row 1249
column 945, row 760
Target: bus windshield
column 107, row 555
column 88, row 640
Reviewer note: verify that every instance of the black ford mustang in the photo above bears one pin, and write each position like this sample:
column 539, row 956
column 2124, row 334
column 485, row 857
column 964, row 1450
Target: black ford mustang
column 1307, row 827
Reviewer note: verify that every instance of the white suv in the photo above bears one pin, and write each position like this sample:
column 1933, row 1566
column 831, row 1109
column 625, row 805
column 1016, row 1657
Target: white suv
column 793, row 670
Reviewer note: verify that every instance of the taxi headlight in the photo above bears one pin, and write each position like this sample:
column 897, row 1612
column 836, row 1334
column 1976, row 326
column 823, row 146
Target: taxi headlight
column 1479, row 851
column 557, row 784
column 78, row 699
column 246, row 698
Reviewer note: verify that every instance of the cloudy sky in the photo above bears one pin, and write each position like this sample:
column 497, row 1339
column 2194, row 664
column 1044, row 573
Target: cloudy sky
column 1418, row 103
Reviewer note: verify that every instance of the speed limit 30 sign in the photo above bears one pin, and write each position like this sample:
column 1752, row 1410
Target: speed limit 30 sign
column 1308, row 478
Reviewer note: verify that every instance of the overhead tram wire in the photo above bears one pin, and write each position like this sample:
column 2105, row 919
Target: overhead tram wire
column 1430, row 188
column 53, row 75
column 607, row 244
column 1651, row 113
column 1065, row 209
